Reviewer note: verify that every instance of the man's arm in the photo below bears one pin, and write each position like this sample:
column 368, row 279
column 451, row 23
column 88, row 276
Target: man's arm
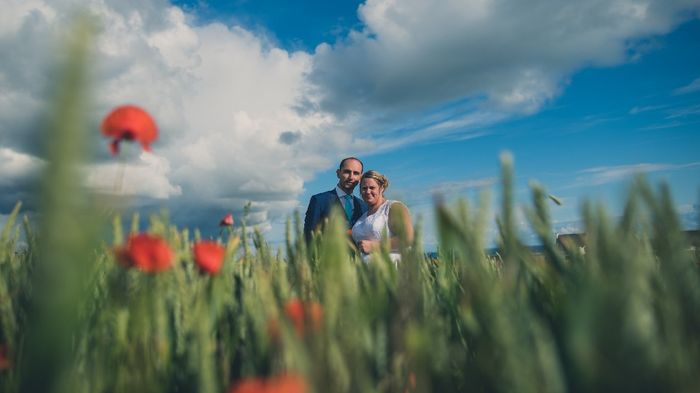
column 313, row 216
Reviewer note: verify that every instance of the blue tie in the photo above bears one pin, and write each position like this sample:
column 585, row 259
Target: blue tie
column 348, row 207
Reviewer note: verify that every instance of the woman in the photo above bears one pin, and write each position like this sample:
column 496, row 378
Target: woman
column 382, row 217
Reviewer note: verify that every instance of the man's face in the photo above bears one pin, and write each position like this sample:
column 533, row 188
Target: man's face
column 349, row 175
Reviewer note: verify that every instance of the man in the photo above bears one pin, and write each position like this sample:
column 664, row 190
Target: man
column 349, row 173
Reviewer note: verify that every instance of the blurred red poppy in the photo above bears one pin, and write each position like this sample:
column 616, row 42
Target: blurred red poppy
column 227, row 221
column 130, row 123
column 4, row 357
column 209, row 256
column 299, row 313
column 288, row 383
column 146, row 252
column 410, row 385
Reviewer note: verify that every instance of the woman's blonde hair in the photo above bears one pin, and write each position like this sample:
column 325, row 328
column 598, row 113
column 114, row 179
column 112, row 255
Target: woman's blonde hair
column 381, row 179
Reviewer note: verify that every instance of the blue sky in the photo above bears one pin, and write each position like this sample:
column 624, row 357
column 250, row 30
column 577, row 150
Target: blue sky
column 258, row 100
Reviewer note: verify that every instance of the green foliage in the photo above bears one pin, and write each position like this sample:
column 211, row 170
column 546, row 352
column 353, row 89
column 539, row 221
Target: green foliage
column 622, row 316
column 68, row 228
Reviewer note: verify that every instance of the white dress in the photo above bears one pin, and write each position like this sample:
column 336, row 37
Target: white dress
column 373, row 226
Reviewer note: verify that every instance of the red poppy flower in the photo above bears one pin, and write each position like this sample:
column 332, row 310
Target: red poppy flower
column 148, row 253
column 129, row 123
column 410, row 385
column 4, row 357
column 209, row 256
column 299, row 312
column 249, row 385
column 287, row 383
column 227, row 221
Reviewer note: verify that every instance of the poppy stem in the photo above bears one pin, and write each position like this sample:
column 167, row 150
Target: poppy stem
column 119, row 179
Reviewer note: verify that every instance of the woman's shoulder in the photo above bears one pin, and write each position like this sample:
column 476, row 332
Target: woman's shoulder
column 395, row 208
column 396, row 205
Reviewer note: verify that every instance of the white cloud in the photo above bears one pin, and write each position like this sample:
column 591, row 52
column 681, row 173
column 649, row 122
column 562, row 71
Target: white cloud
column 690, row 216
column 222, row 98
column 609, row 174
column 569, row 227
column 464, row 127
column 641, row 109
column 17, row 171
column 682, row 112
column 459, row 186
column 509, row 57
column 16, row 165
column 18, row 11
column 148, row 178
column 688, row 208
column 692, row 87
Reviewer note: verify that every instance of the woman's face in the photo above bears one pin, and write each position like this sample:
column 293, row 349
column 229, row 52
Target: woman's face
column 370, row 191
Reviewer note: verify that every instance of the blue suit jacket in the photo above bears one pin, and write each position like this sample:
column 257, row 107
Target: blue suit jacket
column 320, row 207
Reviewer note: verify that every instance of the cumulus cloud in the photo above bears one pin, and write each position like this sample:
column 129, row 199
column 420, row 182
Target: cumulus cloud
column 15, row 166
column 690, row 216
column 146, row 178
column 16, row 171
column 224, row 99
column 568, row 227
column 508, row 57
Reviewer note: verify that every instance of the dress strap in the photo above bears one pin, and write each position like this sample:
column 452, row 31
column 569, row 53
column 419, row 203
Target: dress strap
column 387, row 206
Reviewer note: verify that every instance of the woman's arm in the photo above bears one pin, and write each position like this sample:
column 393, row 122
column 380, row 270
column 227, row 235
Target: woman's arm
column 400, row 225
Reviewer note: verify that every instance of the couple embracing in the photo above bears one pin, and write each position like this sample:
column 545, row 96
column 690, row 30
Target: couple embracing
column 370, row 218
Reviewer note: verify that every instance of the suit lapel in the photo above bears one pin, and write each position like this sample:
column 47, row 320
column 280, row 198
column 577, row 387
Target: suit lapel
column 356, row 209
column 335, row 199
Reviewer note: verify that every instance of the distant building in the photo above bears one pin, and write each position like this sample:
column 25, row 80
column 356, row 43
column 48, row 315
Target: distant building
column 693, row 238
column 572, row 241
